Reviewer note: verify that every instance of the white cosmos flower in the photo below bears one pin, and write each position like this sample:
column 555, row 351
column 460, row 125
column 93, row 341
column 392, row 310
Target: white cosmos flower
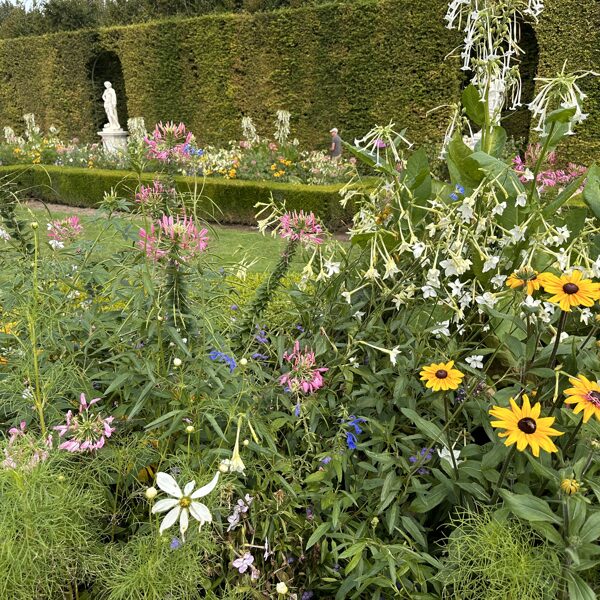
column 182, row 504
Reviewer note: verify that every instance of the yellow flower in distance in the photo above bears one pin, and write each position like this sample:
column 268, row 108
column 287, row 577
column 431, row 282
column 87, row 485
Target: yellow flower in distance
column 525, row 277
column 570, row 290
column 525, row 427
column 441, row 376
column 585, row 394
column 570, row 486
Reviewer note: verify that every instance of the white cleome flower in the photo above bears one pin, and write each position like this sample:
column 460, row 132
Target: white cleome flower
column 183, row 504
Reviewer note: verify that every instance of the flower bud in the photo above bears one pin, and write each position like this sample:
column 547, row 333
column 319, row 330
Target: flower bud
column 176, row 362
column 224, row 466
column 246, row 442
column 243, row 362
column 190, row 429
column 569, row 486
column 281, row 588
column 61, row 477
column 34, row 225
column 151, row 493
column 159, row 318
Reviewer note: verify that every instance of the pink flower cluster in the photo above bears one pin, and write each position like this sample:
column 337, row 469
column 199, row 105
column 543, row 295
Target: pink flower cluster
column 176, row 239
column 65, row 231
column 86, row 431
column 151, row 194
column 547, row 178
column 24, row 451
column 303, row 376
column 300, row 227
column 169, row 141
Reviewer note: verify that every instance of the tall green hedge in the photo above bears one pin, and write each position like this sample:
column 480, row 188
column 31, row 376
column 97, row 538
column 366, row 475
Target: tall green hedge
column 220, row 200
column 350, row 65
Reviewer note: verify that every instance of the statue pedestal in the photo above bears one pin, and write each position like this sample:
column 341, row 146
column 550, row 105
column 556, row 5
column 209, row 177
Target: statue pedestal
column 114, row 140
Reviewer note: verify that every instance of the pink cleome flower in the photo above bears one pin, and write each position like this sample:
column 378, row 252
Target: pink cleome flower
column 150, row 194
column 65, row 230
column 178, row 239
column 298, row 226
column 169, row 141
column 86, row 431
column 303, row 376
column 24, row 451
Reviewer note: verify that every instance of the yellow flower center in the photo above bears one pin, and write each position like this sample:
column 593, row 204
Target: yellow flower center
column 527, row 425
column 185, row 502
column 570, row 288
column 594, row 398
column 441, row 374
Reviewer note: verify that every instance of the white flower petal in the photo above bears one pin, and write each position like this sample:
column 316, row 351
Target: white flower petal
column 206, row 489
column 189, row 488
column 164, row 505
column 183, row 523
column 170, row 519
column 200, row 512
column 167, row 484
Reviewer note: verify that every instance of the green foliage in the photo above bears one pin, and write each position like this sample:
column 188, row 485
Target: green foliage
column 49, row 530
column 491, row 557
column 225, row 201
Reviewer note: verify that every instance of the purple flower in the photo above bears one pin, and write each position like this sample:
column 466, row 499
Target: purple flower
column 234, row 307
column 379, row 143
column 243, row 563
column 351, row 440
column 454, row 197
column 222, row 357
column 259, row 356
column 326, row 460
column 308, row 595
column 354, row 422
column 460, row 189
column 175, row 543
column 297, row 409
column 423, row 457
column 261, row 336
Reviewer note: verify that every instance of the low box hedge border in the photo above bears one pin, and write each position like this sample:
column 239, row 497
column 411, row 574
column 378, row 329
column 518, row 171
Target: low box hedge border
column 221, row 200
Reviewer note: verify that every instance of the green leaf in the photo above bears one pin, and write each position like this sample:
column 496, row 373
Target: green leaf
column 460, row 172
column 578, row 588
column 529, row 508
column 565, row 195
column 561, row 115
column 317, row 534
column 497, row 141
column 591, row 191
column 590, row 531
column 429, row 429
column 473, row 105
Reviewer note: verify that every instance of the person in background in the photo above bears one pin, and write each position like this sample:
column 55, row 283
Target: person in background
column 336, row 144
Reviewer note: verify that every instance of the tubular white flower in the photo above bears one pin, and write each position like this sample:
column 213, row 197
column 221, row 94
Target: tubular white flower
column 182, row 504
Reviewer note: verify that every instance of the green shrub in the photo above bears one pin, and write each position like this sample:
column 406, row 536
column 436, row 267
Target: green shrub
column 49, row 529
column 225, row 201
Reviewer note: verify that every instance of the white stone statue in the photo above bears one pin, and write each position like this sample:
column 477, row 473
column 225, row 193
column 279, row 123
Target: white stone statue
column 110, row 106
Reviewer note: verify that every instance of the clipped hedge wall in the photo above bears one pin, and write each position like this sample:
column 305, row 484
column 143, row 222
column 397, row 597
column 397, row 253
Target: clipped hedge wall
column 569, row 30
column 350, row 65
column 221, row 200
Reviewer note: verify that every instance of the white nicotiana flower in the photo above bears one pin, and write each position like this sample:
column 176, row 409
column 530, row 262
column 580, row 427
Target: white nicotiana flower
column 562, row 235
column 390, row 268
column 456, row 287
column 444, row 454
column 499, row 209
column 562, row 258
column 428, row 292
column 332, row 268
column 517, row 234
column 563, row 336
column 418, row 249
column 358, row 315
column 475, row 361
column 431, row 228
column 441, row 329
column 372, row 273
column 4, row 235
column 531, row 304
column 521, row 199
column 498, row 281
column 466, row 210
column 404, row 296
column 433, row 277
column 585, row 316
column 487, row 299
column 184, row 503
column 455, row 266
column 595, row 268
column 491, row 263
column 347, row 296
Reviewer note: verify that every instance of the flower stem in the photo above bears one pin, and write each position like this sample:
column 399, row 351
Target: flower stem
column 559, row 330
column 507, row 462
column 573, row 435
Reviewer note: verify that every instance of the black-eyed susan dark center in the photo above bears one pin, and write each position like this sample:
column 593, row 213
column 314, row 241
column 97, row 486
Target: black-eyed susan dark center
column 594, row 398
column 570, row 288
column 441, row 374
column 527, row 425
